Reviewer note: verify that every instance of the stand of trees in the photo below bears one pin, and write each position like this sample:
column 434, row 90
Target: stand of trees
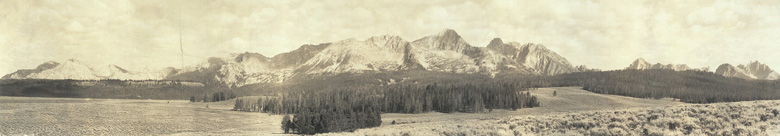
column 402, row 98
column 348, row 109
column 457, row 97
column 320, row 111
column 215, row 97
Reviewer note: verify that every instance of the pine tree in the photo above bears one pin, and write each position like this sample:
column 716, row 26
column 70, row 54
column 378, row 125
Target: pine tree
column 286, row 123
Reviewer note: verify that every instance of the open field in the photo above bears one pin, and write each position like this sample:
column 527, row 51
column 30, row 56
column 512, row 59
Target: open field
column 568, row 100
column 76, row 116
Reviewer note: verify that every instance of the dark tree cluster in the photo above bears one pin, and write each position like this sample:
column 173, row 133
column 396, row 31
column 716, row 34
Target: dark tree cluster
column 320, row 112
column 456, row 97
column 404, row 98
column 215, row 97
column 107, row 88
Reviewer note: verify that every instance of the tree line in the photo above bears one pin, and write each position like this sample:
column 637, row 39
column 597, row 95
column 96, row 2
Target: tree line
column 352, row 108
column 107, row 88
column 215, row 97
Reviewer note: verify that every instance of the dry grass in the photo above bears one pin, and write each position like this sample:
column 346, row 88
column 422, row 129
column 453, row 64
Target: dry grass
column 739, row 118
column 69, row 116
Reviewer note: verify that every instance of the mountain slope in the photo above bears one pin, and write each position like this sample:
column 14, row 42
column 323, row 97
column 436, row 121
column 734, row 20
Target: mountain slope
column 533, row 56
column 296, row 58
column 445, row 40
column 23, row 73
column 70, row 69
column 117, row 72
column 754, row 70
column 445, row 51
column 380, row 53
column 75, row 69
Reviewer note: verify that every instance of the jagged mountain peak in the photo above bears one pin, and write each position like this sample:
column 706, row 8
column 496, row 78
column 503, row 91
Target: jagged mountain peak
column 725, row 65
column 448, row 33
column 544, row 60
column 24, row 73
column 753, row 70
column 70, row 69
column 640, row 60
column 384, row 38
column 247, row 56
column 49, row 63
column 295, row 58
column 642, row 64
column 444, row 40
column 532, row 46
column 351, row 56
column 529, row 55
column 729, row 70
column 495, row 42
column 395, row 43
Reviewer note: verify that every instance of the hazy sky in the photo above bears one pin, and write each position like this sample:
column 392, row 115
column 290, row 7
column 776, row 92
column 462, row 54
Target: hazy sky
column 144, row 34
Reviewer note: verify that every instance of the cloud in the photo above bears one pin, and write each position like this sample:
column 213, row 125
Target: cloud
column 603, row 34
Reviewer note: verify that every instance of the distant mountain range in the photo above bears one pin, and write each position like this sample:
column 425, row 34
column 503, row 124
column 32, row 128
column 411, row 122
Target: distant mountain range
column 641, row 64
column 753, row 70
column 445, row 51
column 75, row 69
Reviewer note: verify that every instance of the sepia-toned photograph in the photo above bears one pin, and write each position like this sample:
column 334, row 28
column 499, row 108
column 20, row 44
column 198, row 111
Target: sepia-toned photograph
column 390, row 67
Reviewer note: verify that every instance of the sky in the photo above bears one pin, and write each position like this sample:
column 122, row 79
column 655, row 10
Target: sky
column 146, row 34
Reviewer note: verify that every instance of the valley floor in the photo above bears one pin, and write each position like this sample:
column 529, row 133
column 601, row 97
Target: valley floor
column 72, row 116
column 572, row 112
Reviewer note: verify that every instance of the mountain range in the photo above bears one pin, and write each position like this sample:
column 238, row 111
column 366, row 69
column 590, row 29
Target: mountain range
column 75, row 69
column 445, row 51
column 753, row 70
column 641, row 64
